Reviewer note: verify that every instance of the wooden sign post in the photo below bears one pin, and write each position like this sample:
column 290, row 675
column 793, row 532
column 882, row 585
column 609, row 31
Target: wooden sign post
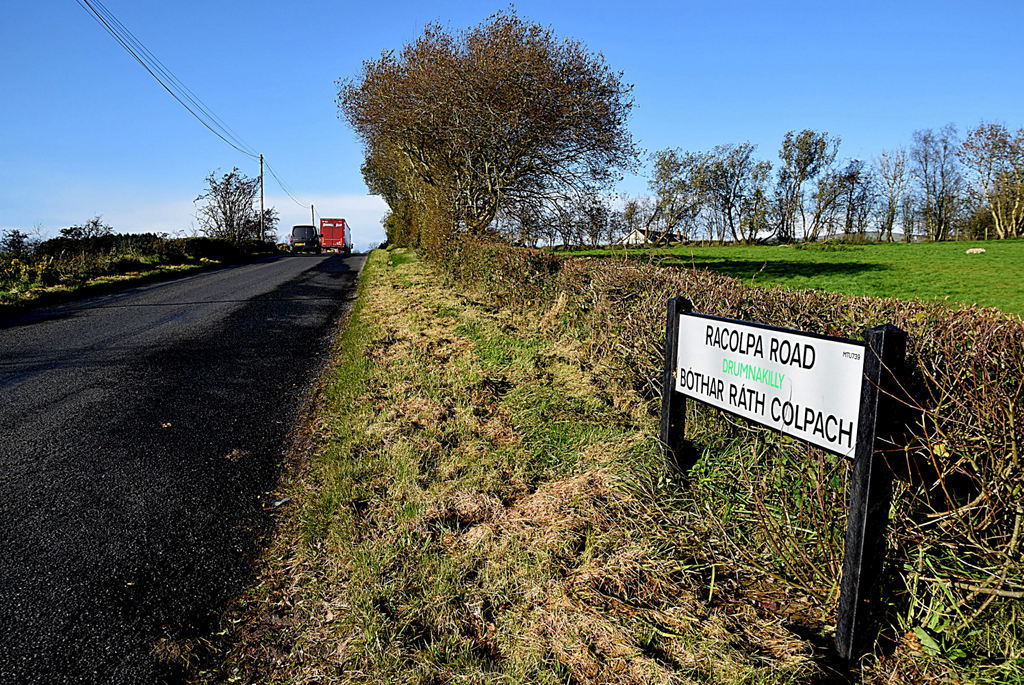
column 870, row 492
column 832, row 392
column 673, row 408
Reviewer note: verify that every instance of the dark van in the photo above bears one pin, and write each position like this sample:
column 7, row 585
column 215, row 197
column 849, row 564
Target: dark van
column 304, row 239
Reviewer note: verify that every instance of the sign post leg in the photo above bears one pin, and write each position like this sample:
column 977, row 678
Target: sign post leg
column 870, row 493
column 673, row 405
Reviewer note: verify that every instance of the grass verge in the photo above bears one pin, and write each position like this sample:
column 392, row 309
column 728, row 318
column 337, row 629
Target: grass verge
column 481, row 504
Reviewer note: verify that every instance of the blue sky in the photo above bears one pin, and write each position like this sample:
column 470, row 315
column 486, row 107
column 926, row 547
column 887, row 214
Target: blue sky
column 86, row 131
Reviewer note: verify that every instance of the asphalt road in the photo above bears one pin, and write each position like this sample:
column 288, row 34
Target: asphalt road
column 140, row 435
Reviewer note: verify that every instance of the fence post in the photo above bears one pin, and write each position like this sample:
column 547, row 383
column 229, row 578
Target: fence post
column 673, row 405
column 870, row 492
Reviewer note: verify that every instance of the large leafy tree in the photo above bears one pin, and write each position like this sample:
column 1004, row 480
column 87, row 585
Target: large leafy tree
column 725, row 189
column 856, row 188
column 498, row 115
column 734, row 188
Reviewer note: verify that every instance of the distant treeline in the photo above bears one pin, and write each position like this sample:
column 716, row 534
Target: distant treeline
column 942, row 188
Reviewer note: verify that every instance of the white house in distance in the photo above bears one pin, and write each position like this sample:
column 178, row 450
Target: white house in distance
column 636, row 237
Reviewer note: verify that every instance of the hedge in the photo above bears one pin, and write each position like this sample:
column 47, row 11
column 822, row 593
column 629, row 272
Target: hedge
column 956, row 526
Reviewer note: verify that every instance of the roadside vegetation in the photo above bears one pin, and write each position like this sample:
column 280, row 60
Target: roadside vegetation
column 91, row 258
column 927, row 271
column 486, row 501
column 955, row 576
column 484, row 505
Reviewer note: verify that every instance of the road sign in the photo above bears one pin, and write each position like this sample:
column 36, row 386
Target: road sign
column 807, row 386
column 835, row 393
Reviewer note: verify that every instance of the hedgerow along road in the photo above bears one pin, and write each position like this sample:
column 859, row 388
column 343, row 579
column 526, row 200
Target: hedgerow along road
column 141, row 436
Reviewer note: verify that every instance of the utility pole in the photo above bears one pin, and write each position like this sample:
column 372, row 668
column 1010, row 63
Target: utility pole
column 263, row 232
column 312, row 219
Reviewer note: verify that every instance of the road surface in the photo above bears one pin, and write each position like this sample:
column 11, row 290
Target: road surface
column 140, row 435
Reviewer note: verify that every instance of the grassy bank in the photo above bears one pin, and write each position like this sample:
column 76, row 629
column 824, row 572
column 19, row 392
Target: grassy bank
column 19, row 299
column 483, row 504
column 63, row 269
column 917, row 270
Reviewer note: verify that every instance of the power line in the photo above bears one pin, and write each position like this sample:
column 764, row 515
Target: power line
column 177, row 89
column 183, row 90
column 125, row 43
column 281, row 183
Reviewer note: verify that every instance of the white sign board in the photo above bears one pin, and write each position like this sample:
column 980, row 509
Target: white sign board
column 803, row 385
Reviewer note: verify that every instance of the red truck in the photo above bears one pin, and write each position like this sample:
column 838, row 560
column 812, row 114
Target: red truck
column 335, row 236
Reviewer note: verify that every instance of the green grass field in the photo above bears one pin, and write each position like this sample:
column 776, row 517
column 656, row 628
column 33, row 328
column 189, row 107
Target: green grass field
column 918, row 270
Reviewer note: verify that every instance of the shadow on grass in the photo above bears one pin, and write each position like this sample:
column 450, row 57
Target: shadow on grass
column 776, row 269
column 769, row 269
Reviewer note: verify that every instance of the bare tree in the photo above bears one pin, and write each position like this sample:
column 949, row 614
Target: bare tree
column 804, row 156
column 892, row 170
column 910, row 217
column 521, row 224
column 937, row 171
column 616, row 229
column 996, row 158
column 227, row 209
column 93, row 228
column 548, row 228
column 594, row 215
column 566, row 220
column 639, row 214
